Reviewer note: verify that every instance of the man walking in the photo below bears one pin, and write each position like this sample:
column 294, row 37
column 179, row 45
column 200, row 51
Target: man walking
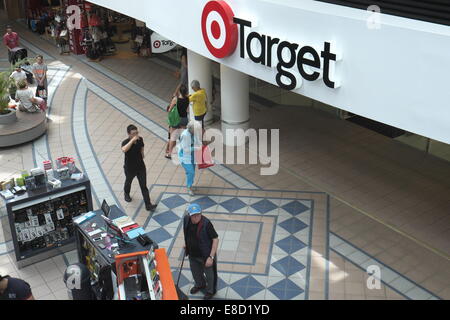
column 133, row 147
column 11, row 41
column 201, row 243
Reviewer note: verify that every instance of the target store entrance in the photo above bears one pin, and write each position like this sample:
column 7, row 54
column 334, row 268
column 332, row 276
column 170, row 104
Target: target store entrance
column 246, row 56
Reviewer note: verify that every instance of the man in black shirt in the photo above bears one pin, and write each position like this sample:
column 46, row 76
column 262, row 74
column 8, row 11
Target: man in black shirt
column 133, row 147
column 14, row 289
column 201, row 243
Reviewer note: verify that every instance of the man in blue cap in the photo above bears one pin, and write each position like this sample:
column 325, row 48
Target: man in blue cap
column 201, row 243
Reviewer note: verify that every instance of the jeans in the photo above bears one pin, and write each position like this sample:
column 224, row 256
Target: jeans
column 189, row 168
column 141, row 174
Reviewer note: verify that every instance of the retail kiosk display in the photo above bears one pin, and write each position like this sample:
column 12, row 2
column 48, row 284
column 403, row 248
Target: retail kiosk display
column 121, row 258
column 137, row 277
column 41, row 207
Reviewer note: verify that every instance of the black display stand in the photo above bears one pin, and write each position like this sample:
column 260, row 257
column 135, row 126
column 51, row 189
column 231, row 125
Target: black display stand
column 72, row 199
column 96, row 258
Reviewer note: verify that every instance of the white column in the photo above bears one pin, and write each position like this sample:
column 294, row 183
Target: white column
column 199, row 68
column 234, row 94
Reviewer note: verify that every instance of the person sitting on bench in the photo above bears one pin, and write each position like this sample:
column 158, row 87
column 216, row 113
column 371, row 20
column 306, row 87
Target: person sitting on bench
column 28, row 102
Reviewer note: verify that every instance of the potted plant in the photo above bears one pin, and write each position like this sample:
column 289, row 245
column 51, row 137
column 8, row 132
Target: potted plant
column 7, row 89
column 7, row 115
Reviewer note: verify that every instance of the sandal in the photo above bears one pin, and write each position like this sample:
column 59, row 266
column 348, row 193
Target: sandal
column 168, row 157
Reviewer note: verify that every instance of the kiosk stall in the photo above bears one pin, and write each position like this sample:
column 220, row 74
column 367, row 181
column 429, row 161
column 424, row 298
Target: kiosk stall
column 123, row 262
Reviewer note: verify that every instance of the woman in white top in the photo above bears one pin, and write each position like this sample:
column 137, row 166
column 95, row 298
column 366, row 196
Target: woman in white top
column 28, row 102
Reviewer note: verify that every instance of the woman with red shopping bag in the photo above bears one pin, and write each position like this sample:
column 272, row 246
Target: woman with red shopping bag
column 190, row 143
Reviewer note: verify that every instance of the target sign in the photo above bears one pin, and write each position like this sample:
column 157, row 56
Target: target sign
column 220, row 33
column 157, row 44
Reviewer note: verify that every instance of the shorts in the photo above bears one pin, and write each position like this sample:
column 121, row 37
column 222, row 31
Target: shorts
column 201, row 118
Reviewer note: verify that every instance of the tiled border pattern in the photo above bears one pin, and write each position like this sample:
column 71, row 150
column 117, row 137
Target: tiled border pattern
column 161, row 132
column 160, row 103
column 220, row 170
column 86, row 154
column 286, row 273
column 389, row 277
column 41, row 150
column 35, row 49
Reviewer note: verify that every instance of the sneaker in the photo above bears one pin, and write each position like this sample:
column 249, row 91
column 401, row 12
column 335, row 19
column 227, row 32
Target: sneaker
column 191, row 192
column 208, row 296
column 151, row 207
column 128, row 198
column 194, row 290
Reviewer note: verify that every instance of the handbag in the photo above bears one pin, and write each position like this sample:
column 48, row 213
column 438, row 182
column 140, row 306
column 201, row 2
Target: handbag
column 43, row 105
column 41, row 92
column 174, row 117
column 205, row 159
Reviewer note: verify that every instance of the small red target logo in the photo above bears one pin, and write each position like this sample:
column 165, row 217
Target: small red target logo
column 219, row 31
column 157, row 44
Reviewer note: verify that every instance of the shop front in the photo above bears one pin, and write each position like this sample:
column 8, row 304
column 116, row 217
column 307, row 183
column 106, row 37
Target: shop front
column 323, row 52
column 80, row 27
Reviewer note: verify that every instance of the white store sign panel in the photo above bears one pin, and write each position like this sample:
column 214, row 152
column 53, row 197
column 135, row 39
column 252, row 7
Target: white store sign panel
column 395, row 73
column 161, row 44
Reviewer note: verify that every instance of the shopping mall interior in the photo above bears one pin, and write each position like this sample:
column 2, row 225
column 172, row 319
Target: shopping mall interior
column 351, row 194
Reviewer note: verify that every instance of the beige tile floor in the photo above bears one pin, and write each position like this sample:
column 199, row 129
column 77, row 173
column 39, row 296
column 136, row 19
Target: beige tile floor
column 387, row 199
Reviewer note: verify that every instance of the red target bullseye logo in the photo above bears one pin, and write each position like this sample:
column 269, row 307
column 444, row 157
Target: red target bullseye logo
column 220, row 33
column 157, row 44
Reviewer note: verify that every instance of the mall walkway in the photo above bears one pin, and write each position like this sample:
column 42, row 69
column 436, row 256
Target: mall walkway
column 344, row 199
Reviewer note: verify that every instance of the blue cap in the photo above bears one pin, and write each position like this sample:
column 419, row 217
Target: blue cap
column 194, row 209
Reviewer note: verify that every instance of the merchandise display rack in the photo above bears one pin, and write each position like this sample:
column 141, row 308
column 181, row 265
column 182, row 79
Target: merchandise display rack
column 96, row 258
column 41, row 221
column 94, row 253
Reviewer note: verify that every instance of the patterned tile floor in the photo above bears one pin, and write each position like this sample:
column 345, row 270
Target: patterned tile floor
column 291, row 236
column 261, row 240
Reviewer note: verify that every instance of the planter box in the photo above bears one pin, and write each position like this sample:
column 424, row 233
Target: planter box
column 8, row 118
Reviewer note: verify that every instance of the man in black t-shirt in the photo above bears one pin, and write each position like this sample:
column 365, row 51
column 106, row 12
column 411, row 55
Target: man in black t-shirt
column 14, row 289
column 133, row 147
column 201, row 243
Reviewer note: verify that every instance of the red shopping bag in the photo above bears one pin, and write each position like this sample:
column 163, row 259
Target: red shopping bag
column 205, row 160
column 43, row 105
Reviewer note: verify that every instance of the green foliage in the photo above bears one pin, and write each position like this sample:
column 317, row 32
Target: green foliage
column 5, row 83
column 8, row 86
